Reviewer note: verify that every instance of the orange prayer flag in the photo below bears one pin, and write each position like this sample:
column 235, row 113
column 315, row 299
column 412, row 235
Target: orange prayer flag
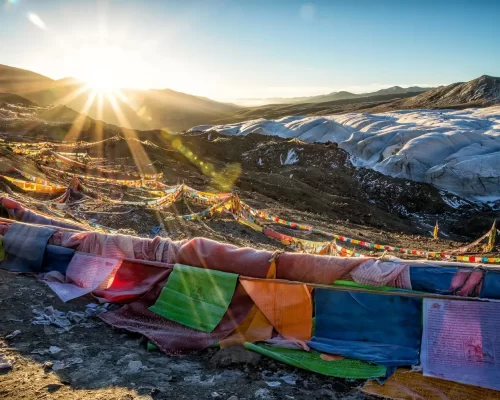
column 255, row 327
column 287, row 306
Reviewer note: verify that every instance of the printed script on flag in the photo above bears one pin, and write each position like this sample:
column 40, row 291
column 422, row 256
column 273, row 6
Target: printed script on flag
column 461, row 341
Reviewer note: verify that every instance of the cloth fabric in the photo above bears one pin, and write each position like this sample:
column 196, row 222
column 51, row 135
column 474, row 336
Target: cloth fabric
column 25, row 247
column 22, row 214
column 57, row 258
column 200, row 252
column 85, row 273
column 311, row 268
column 369, row 287
column 131, row 281
column 196, row 297
column 121, row 246
column 408, row 385
column 431, row 279
column 171, row 337
column 381, row 273
column 307, row 268
column 383, row 329
column 491, row 285
column 312, row 361
column 446, row 280
column 255, row 327
column 283, row 343
column 287, row 306
column 467, row 282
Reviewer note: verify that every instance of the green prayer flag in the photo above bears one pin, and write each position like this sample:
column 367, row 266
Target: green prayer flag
column 196, row 297
column 312, row 361
column 374, row 288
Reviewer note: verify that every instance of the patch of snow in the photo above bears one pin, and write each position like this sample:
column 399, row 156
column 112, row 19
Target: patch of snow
column 291, row 158
column 453, row 201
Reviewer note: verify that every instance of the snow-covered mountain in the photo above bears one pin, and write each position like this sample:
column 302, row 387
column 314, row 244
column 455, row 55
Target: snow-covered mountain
column 458, row 151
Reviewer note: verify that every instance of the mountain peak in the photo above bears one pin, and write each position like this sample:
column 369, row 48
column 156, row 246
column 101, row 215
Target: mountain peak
column 484, row 90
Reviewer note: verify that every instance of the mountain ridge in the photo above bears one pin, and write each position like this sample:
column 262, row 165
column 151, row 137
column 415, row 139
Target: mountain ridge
column 340, row 95
column 138, row 109
column 480, row 92
column 170, row 110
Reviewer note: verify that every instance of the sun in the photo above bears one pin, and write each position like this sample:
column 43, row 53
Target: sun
column 103, row 68
column 100, row 78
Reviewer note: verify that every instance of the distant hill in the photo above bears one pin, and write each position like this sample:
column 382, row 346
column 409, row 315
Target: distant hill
column 21, row 81
column 400, row 90
column 14, row 99
column 480, row 92
column 138, row 109
column 334, row 96
column 274, row 111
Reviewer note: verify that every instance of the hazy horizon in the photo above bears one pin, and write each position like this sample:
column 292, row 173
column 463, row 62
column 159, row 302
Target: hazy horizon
column 243, row 100
column 231, row 51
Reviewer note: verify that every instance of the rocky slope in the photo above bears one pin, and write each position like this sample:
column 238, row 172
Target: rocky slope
column 315, row 183
column 480, row 92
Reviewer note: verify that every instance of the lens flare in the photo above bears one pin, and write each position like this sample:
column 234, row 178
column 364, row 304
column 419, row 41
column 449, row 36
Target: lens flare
column 37, row 21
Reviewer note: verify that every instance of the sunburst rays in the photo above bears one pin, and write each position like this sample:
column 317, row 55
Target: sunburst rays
column 76, row 129
column 129, row 111
column 139, row 155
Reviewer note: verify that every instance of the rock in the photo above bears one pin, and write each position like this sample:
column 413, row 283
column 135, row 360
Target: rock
column 234, row 355
column 306, row 385
column 150, row 390
column 325, row 394
column 233, row 398
column 215, row 395
column 52, row 387
column 134, row 367
column 230, row 375
column 13, row 334
column 48, row 365
column 127, row 358
column 262, row 394
column 273, row 383
column 291, row 380
column 5, row 365
column 40, row 352
column 58, row 365
column 54, row 349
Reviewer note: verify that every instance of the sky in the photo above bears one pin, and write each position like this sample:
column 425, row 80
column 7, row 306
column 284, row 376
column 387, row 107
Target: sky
column 229, row 50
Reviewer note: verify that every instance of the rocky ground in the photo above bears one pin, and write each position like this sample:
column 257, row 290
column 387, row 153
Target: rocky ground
column 90, row 360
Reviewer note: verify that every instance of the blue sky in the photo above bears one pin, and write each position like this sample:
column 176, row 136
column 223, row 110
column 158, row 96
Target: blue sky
column 234, row 49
